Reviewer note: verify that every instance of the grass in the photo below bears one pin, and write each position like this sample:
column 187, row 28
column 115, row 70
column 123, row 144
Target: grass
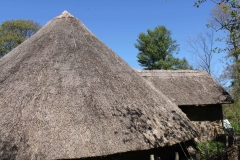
column 236, row 126
column 212, row 145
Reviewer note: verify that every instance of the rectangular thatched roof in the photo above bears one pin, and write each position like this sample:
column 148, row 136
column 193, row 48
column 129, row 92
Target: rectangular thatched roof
column 187, row 87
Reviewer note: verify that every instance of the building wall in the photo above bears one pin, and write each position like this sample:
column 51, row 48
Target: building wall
column 207, row 119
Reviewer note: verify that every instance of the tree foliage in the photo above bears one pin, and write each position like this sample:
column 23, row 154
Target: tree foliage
column 14, row 32
column 226, row 17
column 156, row 49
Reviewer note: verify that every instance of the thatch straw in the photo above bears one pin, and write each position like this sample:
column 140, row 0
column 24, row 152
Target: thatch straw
column 64, row 94
column 187, row 87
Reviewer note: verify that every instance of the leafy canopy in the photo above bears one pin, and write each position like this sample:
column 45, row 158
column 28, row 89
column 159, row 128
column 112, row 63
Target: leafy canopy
column 14, row 32
column 156, row 50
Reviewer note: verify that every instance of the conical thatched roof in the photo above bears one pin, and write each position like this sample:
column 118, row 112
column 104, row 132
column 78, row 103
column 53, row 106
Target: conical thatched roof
column 64, row 94
column 187, row 87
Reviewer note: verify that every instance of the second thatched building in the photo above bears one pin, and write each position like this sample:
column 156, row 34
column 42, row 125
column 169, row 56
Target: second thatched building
column 197, row 95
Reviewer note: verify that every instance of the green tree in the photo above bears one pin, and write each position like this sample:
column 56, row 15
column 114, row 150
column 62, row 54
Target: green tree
column 14, row 32
column 156, row 49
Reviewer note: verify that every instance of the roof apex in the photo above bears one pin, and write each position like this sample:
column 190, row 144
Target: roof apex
column 65, row 14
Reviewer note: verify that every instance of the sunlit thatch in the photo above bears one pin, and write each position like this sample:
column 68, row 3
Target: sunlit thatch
column 64, row 94
column 187, row 87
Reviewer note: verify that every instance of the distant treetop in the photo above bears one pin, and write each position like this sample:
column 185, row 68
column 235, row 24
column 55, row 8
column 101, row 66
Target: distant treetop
column 156, row 49
column 14, row 32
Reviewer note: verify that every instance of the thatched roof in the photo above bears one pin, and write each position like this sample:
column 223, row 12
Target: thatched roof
column 187, row 87
column 64, row 94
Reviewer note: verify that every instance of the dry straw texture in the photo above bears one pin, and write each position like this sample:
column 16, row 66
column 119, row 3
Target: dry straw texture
column 187, row 87
column 64, row 94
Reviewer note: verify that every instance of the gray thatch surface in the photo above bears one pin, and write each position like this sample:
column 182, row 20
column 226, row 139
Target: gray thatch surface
column 187, row 87
column 64, row 94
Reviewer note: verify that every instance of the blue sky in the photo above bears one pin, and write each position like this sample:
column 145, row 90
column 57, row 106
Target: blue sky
column 118, row 22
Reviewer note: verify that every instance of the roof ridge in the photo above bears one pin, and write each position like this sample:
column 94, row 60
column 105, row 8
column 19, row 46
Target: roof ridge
column 172, row 73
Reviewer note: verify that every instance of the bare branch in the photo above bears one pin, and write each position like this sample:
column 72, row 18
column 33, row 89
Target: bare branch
column 202, row 48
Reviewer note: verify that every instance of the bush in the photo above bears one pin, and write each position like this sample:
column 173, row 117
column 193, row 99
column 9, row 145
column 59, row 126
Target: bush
column 232, row 113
